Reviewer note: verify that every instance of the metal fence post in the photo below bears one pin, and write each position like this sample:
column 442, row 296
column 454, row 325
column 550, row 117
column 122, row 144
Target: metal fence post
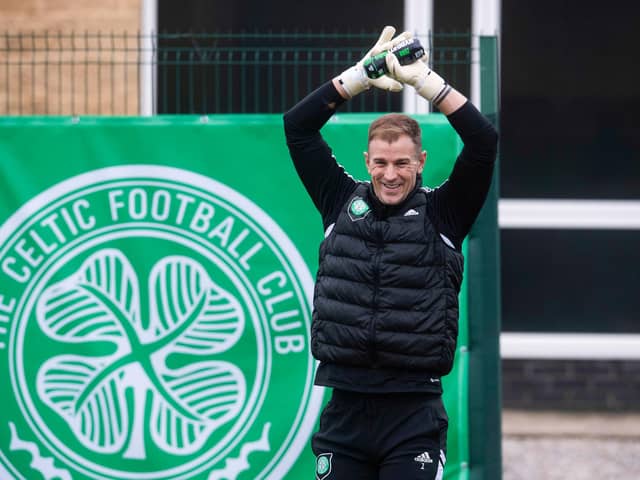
column 484, row 303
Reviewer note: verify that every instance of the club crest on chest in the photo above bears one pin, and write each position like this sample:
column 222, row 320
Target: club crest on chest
column 358, row 209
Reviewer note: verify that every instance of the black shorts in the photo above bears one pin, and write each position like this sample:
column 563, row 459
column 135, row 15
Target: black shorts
column 381, row 437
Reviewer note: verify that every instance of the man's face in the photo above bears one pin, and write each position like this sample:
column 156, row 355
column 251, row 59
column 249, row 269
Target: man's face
column 393, row 168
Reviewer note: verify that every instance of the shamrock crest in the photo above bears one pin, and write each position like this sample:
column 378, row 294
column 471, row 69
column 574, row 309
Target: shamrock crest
column 109, row 401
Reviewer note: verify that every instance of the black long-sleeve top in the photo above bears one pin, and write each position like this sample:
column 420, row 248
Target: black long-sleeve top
column 454, row 205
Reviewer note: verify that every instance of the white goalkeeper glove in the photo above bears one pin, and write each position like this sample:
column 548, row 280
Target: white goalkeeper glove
column 427, row 83
column 354, row 80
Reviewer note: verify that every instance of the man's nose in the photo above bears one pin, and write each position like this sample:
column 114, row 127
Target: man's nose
column 390, row 171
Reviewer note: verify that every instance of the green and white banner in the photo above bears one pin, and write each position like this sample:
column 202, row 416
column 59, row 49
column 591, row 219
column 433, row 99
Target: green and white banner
column 156, row 279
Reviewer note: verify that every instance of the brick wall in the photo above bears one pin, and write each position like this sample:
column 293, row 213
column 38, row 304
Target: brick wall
column 54, row 63
column 586, row 385
column 66, row 15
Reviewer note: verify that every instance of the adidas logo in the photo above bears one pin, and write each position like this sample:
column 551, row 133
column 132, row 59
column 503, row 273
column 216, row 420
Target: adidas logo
column 411, row 212
column 424, row 458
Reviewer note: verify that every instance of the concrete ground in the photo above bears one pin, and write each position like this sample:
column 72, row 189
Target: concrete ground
column 570, row 446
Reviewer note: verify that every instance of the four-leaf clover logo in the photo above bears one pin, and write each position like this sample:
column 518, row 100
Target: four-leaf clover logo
column 112, row 402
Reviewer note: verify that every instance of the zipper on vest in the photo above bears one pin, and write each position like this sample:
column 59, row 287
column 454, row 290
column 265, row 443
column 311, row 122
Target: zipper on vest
column 376, row 291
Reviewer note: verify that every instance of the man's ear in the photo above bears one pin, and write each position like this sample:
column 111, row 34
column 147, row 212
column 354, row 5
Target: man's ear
column 422, row 159
column 366, row 161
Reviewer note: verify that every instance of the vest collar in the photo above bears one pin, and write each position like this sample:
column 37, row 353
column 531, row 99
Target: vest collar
column 382, row 210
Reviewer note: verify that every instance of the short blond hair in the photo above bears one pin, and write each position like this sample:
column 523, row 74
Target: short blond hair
column 391, row 126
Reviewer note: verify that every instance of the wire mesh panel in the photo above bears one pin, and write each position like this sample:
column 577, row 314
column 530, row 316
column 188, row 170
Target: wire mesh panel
column 56, row 73
column 100, row 73
column 226, row 73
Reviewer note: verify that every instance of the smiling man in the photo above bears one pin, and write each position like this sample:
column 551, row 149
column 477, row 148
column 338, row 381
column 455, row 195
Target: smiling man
column 385, row 319
column 395, row 157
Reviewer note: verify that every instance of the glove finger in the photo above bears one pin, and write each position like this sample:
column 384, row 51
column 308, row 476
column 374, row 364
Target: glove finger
column 381, row 47
column 386, row 35
column 402, row 37
column 386, row 83
column 393, row 66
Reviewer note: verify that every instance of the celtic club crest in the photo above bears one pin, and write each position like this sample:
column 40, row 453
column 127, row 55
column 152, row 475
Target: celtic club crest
column 153, row 325
column 358, row 209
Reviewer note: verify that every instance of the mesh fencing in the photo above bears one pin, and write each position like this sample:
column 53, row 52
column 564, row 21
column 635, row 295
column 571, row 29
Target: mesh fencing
column 108, row 73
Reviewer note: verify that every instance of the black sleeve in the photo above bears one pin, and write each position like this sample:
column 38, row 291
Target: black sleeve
column 457, row 202
column 325, row 180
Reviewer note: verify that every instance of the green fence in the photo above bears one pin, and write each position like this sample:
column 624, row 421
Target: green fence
column 94, row 73
column 483, row 277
